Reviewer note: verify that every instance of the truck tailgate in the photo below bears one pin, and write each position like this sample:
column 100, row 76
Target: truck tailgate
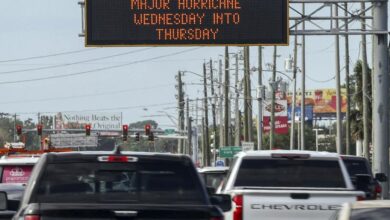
column 113, row 212
column 294, row 204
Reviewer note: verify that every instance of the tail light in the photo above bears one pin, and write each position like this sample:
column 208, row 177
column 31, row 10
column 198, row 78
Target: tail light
column 237, row 213
column 32, row 217
column 360, row 198
column 378, row 190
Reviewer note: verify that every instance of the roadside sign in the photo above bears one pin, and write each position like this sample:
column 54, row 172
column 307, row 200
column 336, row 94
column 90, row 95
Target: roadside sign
column 219, row 163
column 228, row 152
column 184, row 22
column 169, row 131
column 247, row 146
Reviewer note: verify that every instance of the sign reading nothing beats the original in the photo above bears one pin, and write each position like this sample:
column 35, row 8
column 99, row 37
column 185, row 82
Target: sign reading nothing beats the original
column 186, row 22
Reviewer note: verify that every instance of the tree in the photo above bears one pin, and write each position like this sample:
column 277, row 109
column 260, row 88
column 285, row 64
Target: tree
column 141, row 124
column 356, row 89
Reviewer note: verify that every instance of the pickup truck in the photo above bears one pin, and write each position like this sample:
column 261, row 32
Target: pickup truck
column 118, row 185
column 281, row 184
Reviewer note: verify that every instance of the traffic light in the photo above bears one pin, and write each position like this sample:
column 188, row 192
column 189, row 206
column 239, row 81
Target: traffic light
column 137, row 136
column 87, row 130
column 39, row 129
column 125, row 132
column 151, row 136
column 148, row 129
column 19, row 129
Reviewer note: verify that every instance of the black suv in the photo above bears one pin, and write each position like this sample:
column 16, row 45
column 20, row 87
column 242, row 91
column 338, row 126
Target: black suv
column 121, row 185
column 359, row 166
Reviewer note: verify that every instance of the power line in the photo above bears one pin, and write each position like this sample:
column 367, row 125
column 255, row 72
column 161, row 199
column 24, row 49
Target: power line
column 49, row 55
column 74, row 63
column 104, row 109
column 86, row 95
column 99, row 69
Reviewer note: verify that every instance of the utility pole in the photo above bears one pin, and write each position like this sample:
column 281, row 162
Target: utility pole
column 213, row 103
column 189, row 129
column 292, row 130
column 206, row 120
column 220, row 104
column 249, row 94
column 273, row 87
column 303, row 96
column 237, row 136
column 380, row 97
column 180, row 99
column 246, row 112
column 226, row 96
column 365, row 82
column 338, row 90
column 348, row 113
column 260, row 100
column 15, row 136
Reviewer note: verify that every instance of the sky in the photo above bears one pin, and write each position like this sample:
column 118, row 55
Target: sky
column 139, row 82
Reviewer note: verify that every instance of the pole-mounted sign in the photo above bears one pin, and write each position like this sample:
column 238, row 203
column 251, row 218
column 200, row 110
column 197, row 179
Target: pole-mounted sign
column 186, row 22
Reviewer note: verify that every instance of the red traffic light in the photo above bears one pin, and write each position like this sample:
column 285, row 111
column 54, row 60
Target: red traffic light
column 39, row 129
column 148, row 128
column 88, row 130
column 19, row 129
column 125, row 132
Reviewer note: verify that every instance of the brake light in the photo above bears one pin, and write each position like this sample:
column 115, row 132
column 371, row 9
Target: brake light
column 291, row 156
column 117, row 159
column 360, row 198
column 378, row 188
column 238, row 201
column 32, row 217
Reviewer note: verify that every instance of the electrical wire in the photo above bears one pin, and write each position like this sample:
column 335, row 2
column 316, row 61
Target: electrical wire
column 98, row 69
column 49, row 55
column 86, row 95
column 74, row 63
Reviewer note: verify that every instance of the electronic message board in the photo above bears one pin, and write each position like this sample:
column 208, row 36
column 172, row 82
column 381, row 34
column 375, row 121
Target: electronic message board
column 186, row 22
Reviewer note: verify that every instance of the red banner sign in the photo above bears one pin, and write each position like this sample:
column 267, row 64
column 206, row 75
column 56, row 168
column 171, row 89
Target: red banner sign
column 281, row 124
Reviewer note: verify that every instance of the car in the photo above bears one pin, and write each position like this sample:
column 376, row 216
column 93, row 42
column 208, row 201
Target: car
column 357, row 165
column 213, row 176
column 118, row 185
column 15, row 171
column 364, row 210
column 287, row 184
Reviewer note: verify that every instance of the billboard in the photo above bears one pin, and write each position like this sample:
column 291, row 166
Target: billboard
column 308, row 113
column 322, row 100
column 280, row 108
column 186, row 22
column 98, row 120
column 281, row 124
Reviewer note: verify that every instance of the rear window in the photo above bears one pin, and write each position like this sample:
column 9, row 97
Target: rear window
column 213, row 179
column 158, row 182
column 356, row 166
column 15, row 173
column 371, row 213
column 255, row 172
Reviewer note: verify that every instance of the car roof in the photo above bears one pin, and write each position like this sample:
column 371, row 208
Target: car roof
column 212, row 169
column 371, row 204
column 268, row 153
column 19, row 160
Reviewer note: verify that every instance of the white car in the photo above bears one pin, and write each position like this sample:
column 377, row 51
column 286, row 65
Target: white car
column 365, row 210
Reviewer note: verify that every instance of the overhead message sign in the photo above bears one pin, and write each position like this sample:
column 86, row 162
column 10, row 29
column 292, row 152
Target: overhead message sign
column 186, row 22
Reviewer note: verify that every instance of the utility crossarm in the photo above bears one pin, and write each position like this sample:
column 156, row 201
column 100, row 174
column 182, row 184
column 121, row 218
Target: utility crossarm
column 320, row 18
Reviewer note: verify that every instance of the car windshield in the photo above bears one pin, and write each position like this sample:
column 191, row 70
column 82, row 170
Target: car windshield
column 255, row 172
column 371, row 213
column 15, row 173
column 160, row 182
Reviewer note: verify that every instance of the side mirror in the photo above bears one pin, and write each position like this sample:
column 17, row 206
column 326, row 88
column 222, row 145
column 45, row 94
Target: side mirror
column 3, row 201
column 362, row 181
column 210, row 190
column 381, row 177
column 223, row 201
